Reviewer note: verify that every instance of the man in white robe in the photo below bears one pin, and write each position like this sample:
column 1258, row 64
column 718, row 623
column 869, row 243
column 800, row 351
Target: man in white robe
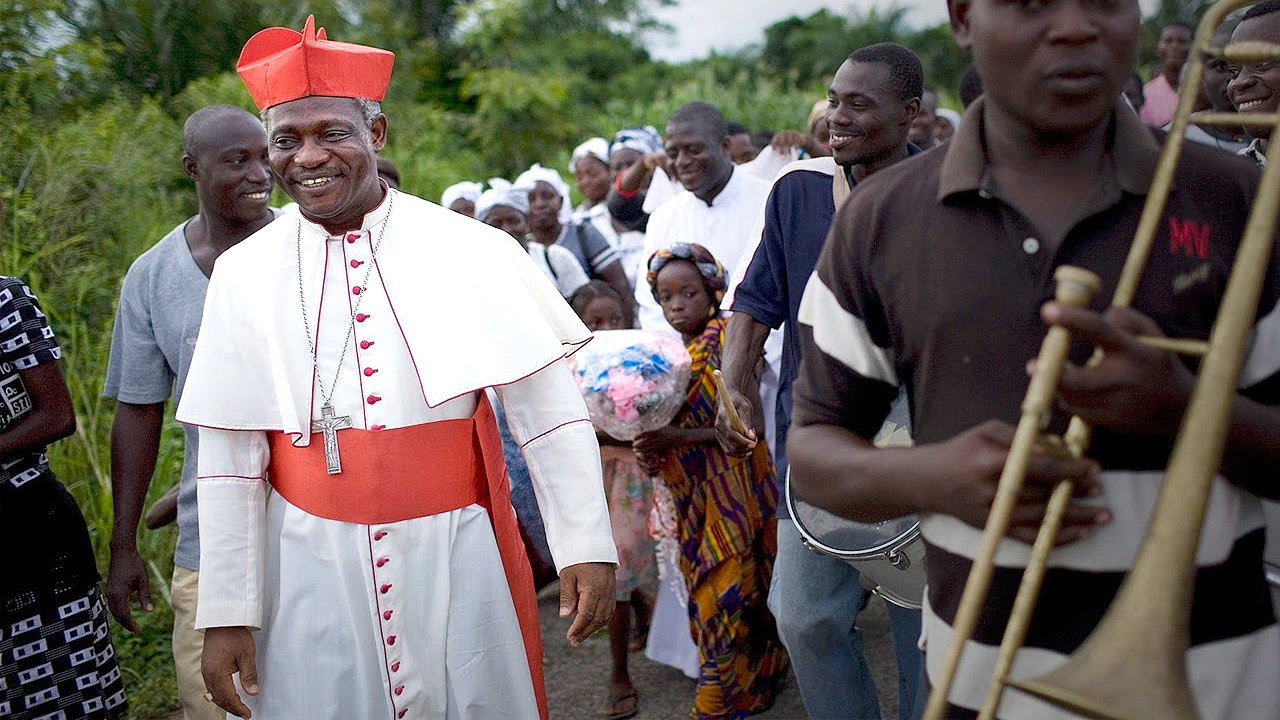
column 722, row 211
column 396, row 586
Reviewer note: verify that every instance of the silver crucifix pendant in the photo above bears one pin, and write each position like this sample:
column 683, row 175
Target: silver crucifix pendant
column 330, row 425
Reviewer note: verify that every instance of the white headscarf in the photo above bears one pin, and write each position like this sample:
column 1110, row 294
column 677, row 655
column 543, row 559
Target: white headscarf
column 535, row 173
column 596, row 147
column 461, row 191
column 951, row 116
column 501, row 192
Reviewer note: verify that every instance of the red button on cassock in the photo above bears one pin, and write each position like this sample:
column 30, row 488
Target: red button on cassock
column 399, row 689
column 382, row 561
column 391, row 640
column 395, row 666
column 377, row 427
column 380, row 534
column 387, row 616
column 402, row 713
column 368, row 372
column 366, row 344
column 384, row 588
column 355, row 290
column 352, row 238
column 361, row 317
column 373, row 399
column 356, row 263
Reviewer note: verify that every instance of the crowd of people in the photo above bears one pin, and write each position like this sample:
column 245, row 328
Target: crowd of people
column 386, row 454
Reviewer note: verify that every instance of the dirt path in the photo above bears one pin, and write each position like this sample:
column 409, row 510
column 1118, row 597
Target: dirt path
column 576, row 677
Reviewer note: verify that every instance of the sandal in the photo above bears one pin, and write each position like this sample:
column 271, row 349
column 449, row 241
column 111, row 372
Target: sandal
column 622, row 705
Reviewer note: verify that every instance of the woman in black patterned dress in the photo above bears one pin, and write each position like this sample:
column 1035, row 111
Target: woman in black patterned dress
column 56, row 657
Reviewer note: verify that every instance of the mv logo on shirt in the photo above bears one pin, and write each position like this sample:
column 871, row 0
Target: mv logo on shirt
column 1188, row 237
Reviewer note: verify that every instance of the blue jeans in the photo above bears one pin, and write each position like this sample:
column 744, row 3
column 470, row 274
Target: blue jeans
column 816, row 600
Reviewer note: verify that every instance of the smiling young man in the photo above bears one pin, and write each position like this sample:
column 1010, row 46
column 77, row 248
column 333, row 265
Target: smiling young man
column 1255, row 87
column 935, row 277
column 873, row 101
column 359, row 543
column 721, row 205
column 157, row 320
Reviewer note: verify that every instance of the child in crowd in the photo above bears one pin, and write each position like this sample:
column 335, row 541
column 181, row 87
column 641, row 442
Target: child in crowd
column 56, row 657
column 725, row 506
column 630, row 497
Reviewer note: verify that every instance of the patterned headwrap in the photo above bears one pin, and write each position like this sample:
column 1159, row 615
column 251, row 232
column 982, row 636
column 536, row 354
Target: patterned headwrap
column 596, row 147
column 709, row 268
column 645, row 140
column 501, row 192
column 536, row 172
column 461, row 191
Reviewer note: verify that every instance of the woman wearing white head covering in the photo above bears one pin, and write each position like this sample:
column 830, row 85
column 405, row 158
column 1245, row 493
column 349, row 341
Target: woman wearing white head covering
column 506, row 207
column 945, row 124
column 590, row 168
column 464, row 195
column 550, row 223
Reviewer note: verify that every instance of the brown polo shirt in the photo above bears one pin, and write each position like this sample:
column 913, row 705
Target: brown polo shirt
column 931, row 281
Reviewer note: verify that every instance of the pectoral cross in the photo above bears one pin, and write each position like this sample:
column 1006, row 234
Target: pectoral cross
column 330, row 425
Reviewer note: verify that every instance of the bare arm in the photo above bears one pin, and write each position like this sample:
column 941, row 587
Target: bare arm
column 840, row 471
column 135, row 444
column 51, row 418
column 744, row 339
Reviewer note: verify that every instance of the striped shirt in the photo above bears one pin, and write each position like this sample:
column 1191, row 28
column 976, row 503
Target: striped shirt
column 931, row 281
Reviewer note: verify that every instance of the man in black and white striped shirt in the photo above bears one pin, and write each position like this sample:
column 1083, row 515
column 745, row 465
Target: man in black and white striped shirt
column 936, row 277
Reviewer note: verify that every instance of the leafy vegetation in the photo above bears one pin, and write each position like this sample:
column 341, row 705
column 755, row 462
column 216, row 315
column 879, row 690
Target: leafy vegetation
column 94, row 93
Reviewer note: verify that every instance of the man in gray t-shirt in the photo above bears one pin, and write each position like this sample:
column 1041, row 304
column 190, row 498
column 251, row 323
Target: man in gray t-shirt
column 157, row 321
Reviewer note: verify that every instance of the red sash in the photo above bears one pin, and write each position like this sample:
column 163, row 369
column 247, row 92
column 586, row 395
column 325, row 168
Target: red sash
column 410, row 472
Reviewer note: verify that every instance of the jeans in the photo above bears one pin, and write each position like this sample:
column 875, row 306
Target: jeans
column 816, row 600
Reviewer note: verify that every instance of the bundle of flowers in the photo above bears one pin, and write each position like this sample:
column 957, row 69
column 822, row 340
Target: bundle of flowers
column 633, row 381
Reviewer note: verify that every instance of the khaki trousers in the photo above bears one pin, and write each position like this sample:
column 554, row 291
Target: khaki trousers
column 187, row 646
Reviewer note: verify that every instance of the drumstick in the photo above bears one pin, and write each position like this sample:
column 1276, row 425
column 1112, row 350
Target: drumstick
column 722, row 388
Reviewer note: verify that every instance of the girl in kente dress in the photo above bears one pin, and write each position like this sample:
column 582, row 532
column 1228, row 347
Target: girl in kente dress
column 725, row 506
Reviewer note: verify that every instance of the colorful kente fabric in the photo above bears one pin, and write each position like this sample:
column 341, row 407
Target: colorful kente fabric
column 725, row 509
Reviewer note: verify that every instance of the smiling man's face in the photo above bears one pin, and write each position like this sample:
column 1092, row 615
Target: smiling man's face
column 324, row 154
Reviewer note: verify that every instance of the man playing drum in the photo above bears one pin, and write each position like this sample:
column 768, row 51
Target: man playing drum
column 816, row 598
column 935, row 277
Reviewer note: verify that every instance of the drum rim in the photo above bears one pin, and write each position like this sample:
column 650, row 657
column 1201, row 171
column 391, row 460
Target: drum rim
column 883, row 549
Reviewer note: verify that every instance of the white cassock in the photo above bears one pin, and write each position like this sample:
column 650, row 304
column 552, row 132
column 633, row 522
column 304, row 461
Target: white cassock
column 408, row 619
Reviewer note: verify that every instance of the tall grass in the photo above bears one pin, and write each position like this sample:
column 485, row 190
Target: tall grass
column 91, row 196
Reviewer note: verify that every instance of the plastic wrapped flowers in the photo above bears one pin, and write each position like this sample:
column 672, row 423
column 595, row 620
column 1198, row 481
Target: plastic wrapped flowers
column 633, row 381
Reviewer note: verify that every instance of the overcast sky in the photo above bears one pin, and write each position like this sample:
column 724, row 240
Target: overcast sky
column 727, row 25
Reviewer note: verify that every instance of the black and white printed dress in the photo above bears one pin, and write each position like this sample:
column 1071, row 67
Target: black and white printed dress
column 56, row 657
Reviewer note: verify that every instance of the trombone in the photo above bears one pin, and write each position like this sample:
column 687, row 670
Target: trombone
column 1133, row 665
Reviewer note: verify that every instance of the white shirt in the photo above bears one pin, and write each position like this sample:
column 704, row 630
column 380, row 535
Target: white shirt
column 724, row 227
column 559, row 265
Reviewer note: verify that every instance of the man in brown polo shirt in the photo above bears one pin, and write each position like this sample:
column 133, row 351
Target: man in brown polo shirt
column 936, row 276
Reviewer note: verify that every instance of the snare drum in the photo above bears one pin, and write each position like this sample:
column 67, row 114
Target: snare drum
column 890, row 553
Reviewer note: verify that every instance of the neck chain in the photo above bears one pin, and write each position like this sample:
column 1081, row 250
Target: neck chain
column 312, row 346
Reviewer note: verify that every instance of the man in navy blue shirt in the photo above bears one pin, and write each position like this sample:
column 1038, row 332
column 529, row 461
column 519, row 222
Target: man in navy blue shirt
column 873, row 99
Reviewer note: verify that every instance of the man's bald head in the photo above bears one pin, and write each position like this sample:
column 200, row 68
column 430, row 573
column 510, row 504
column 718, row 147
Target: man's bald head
column 204, row 124
column 224, row 152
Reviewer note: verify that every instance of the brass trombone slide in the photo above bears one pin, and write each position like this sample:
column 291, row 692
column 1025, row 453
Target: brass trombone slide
column 1133, row 665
